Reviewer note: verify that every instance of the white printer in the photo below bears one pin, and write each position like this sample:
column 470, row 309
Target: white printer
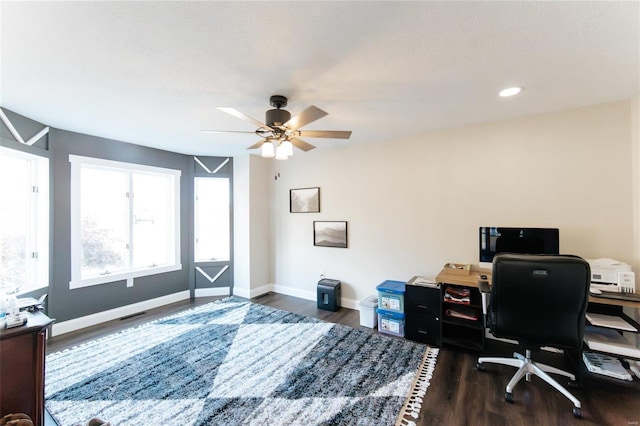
column 612, row 276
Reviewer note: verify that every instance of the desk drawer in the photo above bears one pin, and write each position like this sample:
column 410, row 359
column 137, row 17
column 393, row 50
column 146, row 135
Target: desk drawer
column 423, row 328
column 422, row 300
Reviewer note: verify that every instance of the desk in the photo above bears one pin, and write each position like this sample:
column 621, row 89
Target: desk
column 614, row 302
column 22, row 351
column 455, row 333
column 464, row 332
column 472, row 279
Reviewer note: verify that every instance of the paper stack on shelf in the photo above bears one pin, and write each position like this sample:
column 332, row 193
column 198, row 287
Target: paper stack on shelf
column 610, row 321
column 462, row 312
column 605, row 365
column 422, row 281
column 457, row 295
column 610, row 341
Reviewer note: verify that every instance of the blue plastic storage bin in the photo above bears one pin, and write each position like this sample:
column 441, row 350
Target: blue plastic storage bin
column 390, row 322
column 391, row 296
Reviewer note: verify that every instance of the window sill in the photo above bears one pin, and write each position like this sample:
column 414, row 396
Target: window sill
column 27, row 290
column 123, row 276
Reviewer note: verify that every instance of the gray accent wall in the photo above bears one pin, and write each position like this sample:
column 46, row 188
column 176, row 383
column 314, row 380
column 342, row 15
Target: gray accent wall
column 26, row 128
column 64, row 304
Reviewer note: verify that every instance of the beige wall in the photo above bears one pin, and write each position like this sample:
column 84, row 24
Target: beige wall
column 252, row 228
column 635, row 166
column 413, row 205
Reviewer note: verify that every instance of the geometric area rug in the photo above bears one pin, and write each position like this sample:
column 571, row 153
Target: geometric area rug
column 233, row 362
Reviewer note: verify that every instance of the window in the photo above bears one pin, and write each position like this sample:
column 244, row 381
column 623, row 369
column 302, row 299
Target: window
column 124, row 221
column 24, row 221
column 212, row 219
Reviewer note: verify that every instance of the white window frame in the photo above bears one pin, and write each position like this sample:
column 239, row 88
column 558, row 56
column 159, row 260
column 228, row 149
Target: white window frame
column 38, row 264
column 197, row 220
column 76, row 243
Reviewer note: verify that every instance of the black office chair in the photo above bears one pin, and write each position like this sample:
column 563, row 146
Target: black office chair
column 538, row 300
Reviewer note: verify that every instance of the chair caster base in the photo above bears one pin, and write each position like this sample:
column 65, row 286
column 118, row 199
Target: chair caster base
column 508, row 396
column 577, row 412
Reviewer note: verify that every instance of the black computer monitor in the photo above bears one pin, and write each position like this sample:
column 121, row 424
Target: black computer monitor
column 494, row 240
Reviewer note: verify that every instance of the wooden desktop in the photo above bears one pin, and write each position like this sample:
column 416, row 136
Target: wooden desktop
column 474, row 277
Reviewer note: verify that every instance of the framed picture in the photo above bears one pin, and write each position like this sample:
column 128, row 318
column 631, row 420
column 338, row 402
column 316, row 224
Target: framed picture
column 304, row 200
column 330, row 234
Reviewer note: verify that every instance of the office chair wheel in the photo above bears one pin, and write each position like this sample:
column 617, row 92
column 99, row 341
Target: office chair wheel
column 480, row 366
column 577, row 412
column 573, row 384
column 508, row 396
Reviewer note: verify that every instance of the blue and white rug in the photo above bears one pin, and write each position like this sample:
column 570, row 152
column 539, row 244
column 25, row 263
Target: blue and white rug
column 234, row 362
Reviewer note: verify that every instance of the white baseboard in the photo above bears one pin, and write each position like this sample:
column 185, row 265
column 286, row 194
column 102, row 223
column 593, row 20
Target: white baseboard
column 213, row 291
column 295, row 292
column 249, row 293
column 122, row 311
column 311, row 295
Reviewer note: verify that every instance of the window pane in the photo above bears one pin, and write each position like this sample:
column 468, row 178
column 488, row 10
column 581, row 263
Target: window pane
column 15, row 214
column 104, row 217
column 125, row 221
column 212, row 227
column 153, row 208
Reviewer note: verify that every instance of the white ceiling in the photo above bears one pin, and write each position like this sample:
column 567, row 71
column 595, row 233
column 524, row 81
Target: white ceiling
column 153, row 73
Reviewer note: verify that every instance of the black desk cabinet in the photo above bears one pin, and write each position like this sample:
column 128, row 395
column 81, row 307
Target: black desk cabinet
column 422, row 306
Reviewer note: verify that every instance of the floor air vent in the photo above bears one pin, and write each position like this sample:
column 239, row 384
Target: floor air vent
column 133, row 315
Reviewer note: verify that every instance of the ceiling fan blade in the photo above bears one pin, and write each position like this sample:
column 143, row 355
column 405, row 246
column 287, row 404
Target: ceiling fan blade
column 333, row 134
column 299, row 143
column 310, row 114
column 226, row 131
column 257, row 144
column 234, row 112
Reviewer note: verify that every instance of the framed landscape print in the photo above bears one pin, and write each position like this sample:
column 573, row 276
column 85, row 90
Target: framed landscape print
column 304, row 200
column 330, row 234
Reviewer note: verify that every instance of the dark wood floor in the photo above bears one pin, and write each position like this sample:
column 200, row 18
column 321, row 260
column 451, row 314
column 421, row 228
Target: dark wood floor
column 459, row 394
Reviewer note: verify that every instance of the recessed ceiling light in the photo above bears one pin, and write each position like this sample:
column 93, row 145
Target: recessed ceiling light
column 510, row 91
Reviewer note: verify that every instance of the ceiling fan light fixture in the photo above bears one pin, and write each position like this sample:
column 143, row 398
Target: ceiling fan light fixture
column 510, row 91
column 288, row 148
column 267, row 150
column 281, row 153
column 281, row 129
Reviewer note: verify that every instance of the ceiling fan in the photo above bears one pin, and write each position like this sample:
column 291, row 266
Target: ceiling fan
column 281, row 131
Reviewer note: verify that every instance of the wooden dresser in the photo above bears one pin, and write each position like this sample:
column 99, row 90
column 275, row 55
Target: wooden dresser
column 22, row 354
